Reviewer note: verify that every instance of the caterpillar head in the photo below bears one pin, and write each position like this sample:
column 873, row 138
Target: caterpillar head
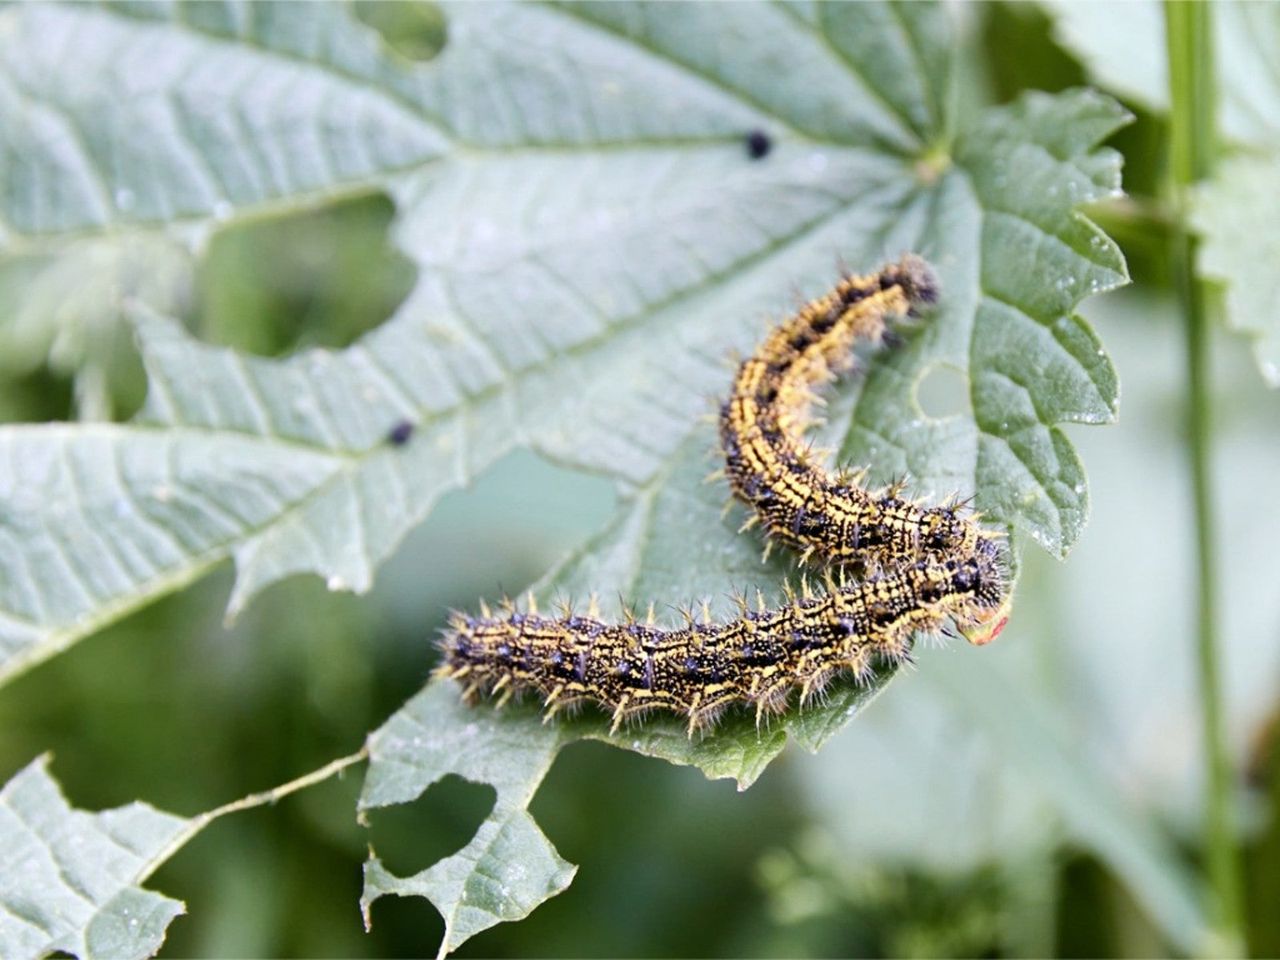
column 916, row 277
column 985, row 577
column 987, row 625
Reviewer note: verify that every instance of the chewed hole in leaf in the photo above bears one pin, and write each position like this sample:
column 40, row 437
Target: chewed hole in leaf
column 407, row 920
column 943, row 391
column 319, row 278
column 66, row 312
column 409, row 837
column 414, row 29
column 36, row 396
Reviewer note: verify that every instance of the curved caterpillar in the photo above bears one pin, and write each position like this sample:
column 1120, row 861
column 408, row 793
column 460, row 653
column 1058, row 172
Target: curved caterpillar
column 829, row 518
column 923, row 566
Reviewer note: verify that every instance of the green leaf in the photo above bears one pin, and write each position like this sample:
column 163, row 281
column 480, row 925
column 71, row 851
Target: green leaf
column 71, row 881
column 1014, row 184
column 592, row 243
column 192, row 113
column 1123, row 46
column 478, row 375
column 1236, row 215
column 1015, row 257
column 509, row 867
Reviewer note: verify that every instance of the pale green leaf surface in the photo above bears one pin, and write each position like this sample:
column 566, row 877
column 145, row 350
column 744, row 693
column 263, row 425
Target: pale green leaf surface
column 1236, row 215
column 71, row 881
column 1123, row 46
column 509, row 867
column 565, row 247
column 673, row 543
column 457, row 355
column 95, row 519
column 162, row 121
column 592, row 243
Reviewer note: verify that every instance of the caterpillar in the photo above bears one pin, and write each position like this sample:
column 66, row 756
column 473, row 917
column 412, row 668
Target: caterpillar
column 700, row 669
column 827, row 517
column 920, row 567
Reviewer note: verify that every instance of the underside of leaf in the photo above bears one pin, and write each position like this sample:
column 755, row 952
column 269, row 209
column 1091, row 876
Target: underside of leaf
column 593, row 242
column 71, row 881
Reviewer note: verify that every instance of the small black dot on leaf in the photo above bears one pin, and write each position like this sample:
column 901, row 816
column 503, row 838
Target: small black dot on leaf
column 758, row 144
column 399, row 434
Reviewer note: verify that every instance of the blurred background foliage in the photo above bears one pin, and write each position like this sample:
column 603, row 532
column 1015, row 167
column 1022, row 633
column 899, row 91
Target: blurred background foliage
column 866, row 849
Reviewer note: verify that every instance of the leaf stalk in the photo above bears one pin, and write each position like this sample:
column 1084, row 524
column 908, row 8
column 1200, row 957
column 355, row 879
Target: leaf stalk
column 260, row 799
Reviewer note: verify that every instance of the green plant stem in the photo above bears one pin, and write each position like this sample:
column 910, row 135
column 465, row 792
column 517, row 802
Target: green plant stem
column 1222, row 855
column 1191, row 82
